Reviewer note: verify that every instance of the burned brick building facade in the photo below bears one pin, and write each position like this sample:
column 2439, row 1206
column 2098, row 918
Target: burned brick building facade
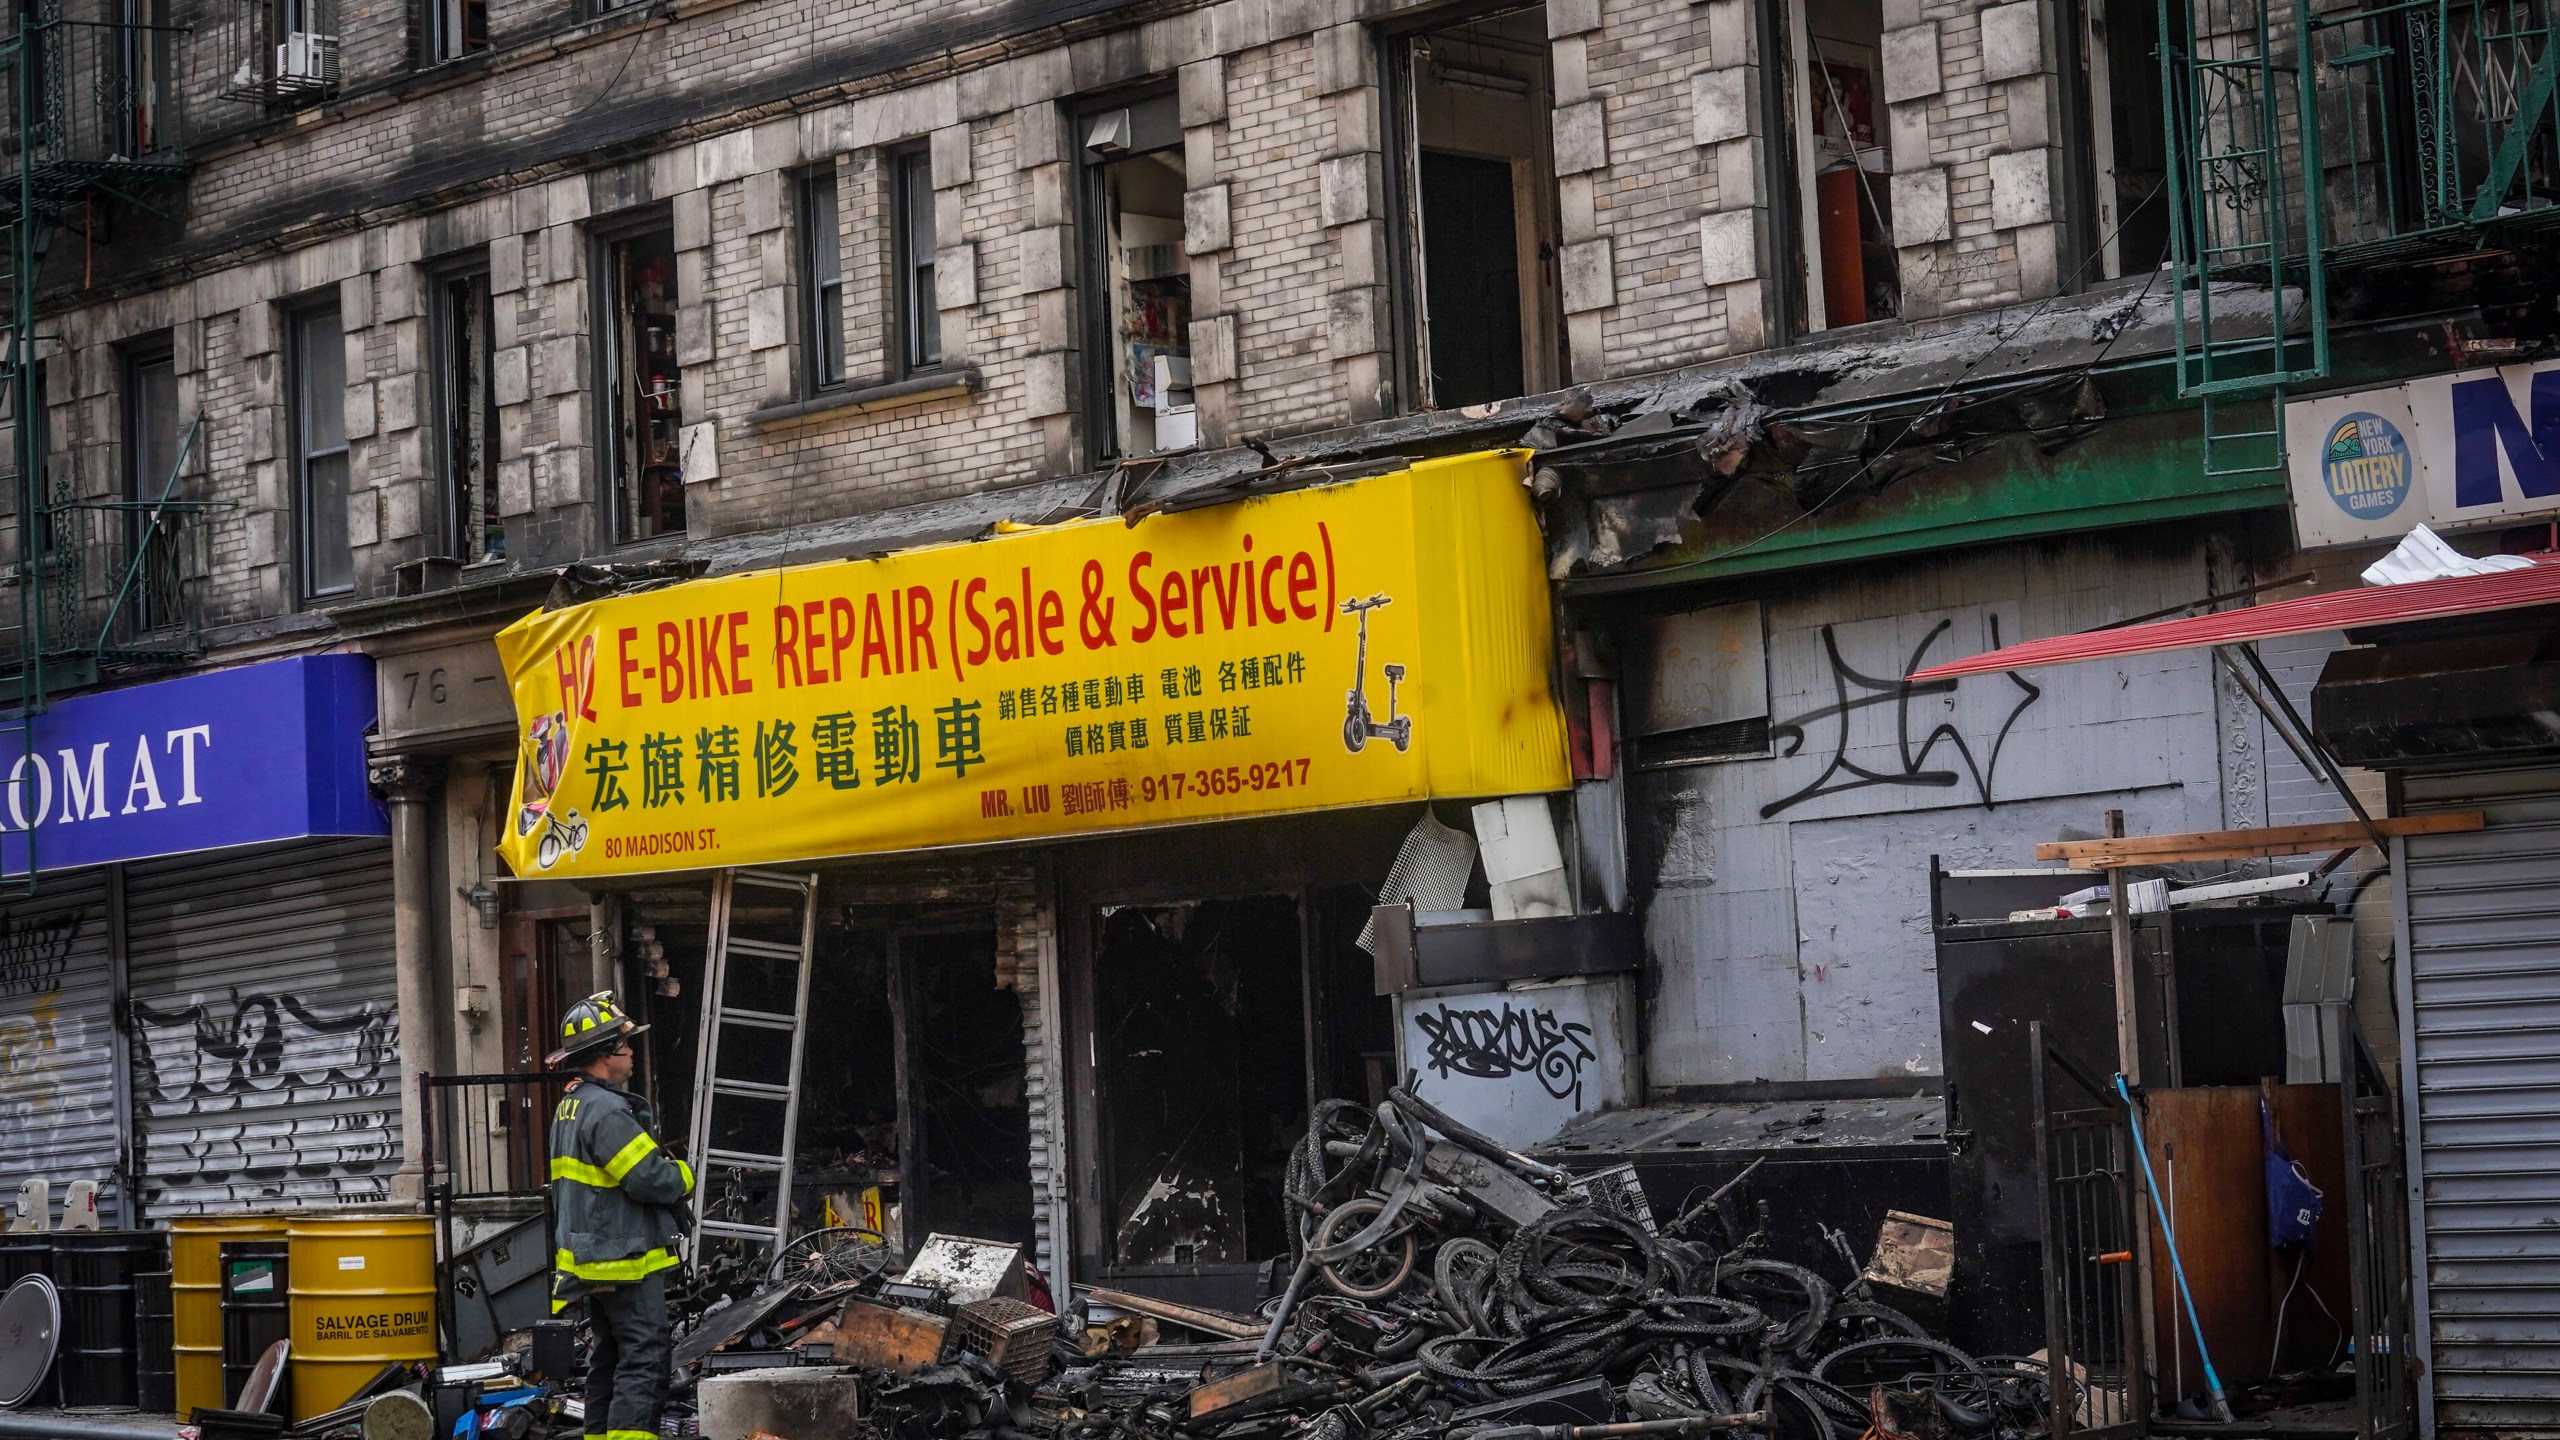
column 1833, row 337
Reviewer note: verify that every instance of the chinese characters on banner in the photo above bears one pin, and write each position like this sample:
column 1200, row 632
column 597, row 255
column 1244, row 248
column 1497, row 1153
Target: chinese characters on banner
column 1354, row 644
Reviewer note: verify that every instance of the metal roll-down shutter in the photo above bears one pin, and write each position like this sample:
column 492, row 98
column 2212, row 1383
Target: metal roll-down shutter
column 2483, row 945
column 266, row 1035
column 58, row 1118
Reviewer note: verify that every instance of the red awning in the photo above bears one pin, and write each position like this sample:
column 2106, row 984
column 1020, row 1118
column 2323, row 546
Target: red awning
column 2442, row 599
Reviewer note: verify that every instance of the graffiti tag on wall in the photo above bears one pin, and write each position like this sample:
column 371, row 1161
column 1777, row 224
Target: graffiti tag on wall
column 217, row 1077
column 35, row 950
column 1496, row 1043
column 1853, row 691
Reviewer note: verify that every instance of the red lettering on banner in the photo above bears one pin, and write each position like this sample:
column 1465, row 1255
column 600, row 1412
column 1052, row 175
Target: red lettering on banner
column 809, row 642
column 624, row 666
column 786, row 646
column 670, row 662
column 920, row 629
column 875, row 642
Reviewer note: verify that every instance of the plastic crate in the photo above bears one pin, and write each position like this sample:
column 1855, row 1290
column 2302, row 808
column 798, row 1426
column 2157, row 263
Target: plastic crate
column 1615, row 1188
column 1014, row 1337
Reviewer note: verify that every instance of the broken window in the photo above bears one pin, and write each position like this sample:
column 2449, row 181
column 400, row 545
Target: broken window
column 467, row 420
column 1137, row 281
column 1705, row 694
column 1477, row 196
column 644, row 406
column 1841, row 164
column 2121, row 193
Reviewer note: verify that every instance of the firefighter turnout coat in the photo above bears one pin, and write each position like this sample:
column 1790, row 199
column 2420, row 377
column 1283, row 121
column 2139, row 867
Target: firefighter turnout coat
column 615, row 1195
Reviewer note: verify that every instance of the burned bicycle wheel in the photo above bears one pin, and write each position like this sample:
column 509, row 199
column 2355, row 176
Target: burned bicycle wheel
column 833, row 1256
column 1370, row 1274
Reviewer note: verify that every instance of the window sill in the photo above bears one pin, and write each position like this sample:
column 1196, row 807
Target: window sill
column 914, row 390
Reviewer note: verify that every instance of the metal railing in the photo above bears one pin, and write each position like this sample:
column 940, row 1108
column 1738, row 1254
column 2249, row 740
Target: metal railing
column 107, row 106
column 114, row 580
column 488, row 1136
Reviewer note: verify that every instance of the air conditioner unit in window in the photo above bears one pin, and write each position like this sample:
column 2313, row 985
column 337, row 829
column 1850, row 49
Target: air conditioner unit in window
column 306, row 61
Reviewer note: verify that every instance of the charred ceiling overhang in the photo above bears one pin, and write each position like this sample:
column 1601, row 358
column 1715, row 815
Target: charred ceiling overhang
column 1615, row 491
column 2484, row 688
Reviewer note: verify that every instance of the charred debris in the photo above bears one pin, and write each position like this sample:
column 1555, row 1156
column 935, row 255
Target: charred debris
column 1440, row 1285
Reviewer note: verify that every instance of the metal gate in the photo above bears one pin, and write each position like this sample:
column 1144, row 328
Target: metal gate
column 2092, row 1277
column 265, row 1027
column 2480, row 925
column 58, row 1046
column 2377, row 1236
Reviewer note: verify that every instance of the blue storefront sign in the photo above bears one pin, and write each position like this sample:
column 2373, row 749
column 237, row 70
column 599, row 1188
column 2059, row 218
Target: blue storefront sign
column 2455, row 451
column 228, row 757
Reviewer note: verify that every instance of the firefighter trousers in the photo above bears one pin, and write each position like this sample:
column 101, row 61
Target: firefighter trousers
column 628, row 1371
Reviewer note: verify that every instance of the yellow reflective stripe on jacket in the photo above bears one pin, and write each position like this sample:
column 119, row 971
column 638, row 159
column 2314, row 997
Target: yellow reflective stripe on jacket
column 687, row 1172
column 630, row 1435
column 609, row 1272
column 632, row 1154
column 564, row 1168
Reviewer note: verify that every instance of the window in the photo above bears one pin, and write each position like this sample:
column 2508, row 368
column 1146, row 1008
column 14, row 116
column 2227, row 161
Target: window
column 1476, row 193
column 643, row 406
column 281, row 53
column 151, row 440
column 319, row 359
column 147, row 57
column 456, row 28
column 822, row 278
column 1137, row 318
column 919, row 319
column 1705, row 696
column 2120, row 196
column 467, row 417
column 1840, row 163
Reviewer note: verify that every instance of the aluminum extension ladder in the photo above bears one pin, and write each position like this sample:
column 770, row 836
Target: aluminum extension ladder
column 760, row 922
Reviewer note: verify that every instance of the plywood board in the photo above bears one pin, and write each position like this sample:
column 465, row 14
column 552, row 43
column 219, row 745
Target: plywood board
column 2205, row 1148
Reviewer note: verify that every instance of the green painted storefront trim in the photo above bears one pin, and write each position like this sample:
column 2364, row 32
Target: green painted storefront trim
column 2140, row 470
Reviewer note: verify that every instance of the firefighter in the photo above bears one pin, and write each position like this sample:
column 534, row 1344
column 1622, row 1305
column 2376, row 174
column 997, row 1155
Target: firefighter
column 614, row 1204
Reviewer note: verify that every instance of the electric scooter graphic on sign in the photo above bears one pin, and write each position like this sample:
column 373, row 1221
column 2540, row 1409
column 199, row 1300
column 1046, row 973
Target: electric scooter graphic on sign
column 1357, row 727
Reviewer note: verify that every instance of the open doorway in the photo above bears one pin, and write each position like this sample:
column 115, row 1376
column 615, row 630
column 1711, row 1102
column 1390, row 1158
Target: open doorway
column 1842, row 163
column 1217, row 1024
column 2121, row 193
column 965, row 1108
column 1477, row 191
column 914, row 1081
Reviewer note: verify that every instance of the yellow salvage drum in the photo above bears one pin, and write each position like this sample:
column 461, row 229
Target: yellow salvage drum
column 363, row 1296
column 195, row 1299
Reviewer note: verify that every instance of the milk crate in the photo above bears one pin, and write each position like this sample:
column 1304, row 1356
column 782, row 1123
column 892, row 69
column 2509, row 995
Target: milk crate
column 1014, row 1337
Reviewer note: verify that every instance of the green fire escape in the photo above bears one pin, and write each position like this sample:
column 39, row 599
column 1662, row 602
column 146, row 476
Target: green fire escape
column 2310, row 140
column 92, row 141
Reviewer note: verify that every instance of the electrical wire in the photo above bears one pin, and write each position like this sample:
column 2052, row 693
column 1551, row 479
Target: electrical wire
column 2001, row 339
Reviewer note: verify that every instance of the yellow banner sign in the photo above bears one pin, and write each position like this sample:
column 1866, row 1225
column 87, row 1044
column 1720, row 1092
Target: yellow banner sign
column 1353, row 644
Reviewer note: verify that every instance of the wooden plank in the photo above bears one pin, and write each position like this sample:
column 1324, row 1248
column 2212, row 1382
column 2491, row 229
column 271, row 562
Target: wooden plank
column 1214, row 1322
column 2268, row 840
